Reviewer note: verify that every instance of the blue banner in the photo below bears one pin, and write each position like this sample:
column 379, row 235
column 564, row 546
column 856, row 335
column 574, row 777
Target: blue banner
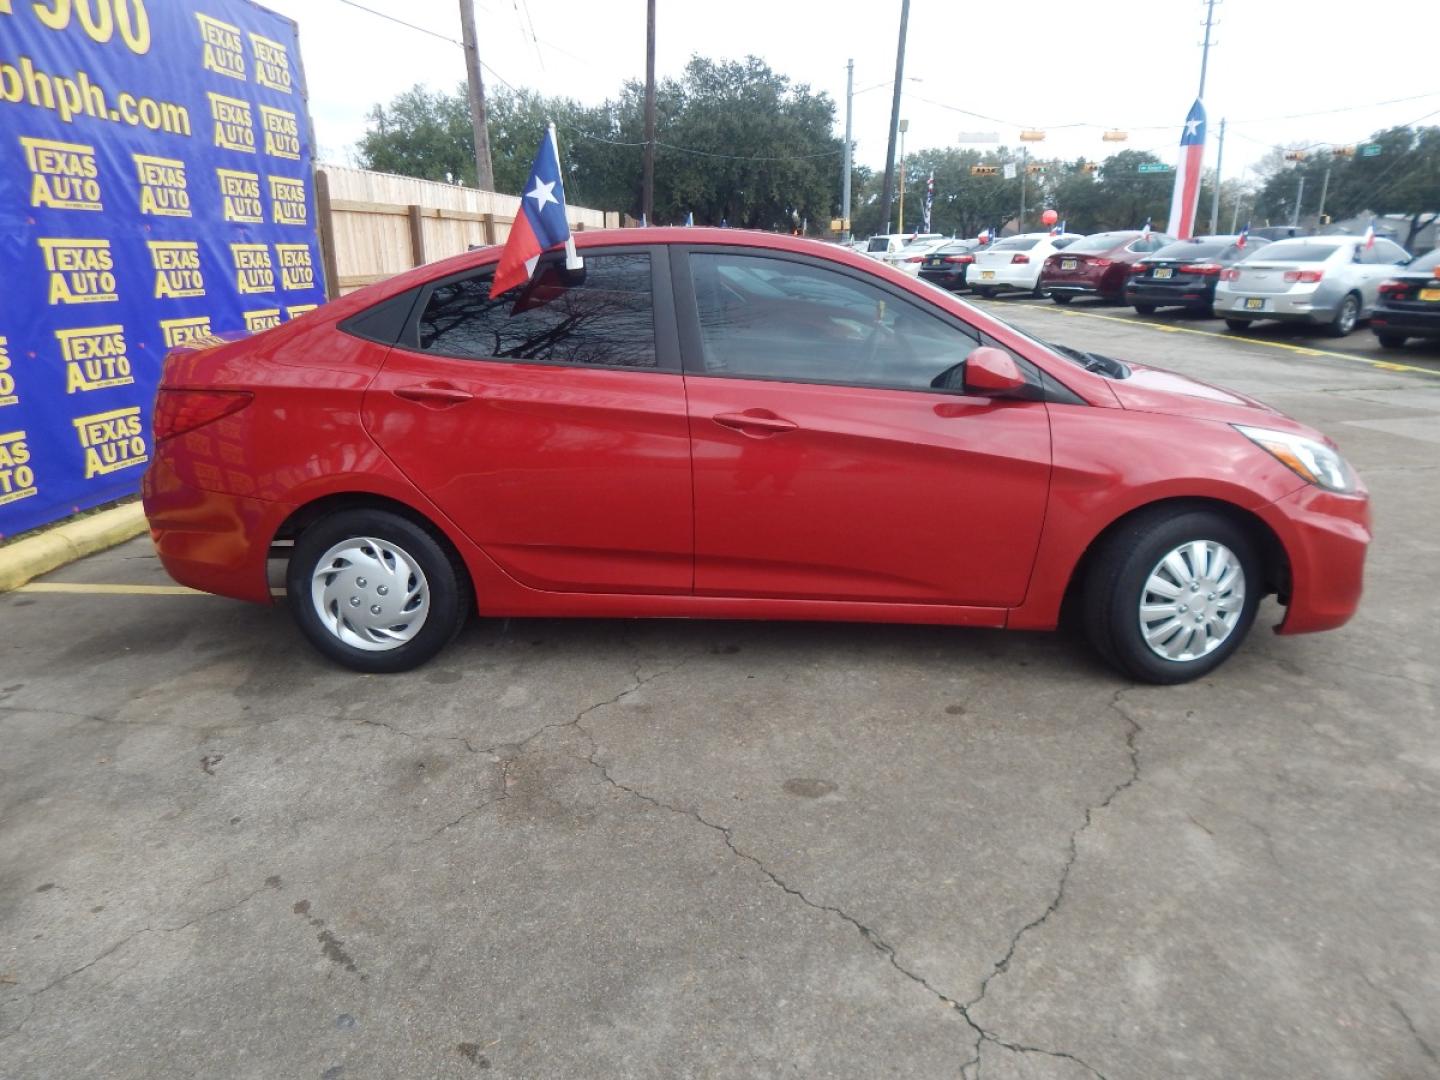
column 156, row 187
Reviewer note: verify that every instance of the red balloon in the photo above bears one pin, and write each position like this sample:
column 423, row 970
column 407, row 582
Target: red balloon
column 1049, row 217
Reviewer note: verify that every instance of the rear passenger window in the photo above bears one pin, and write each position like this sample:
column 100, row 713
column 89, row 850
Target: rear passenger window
column 602, row 316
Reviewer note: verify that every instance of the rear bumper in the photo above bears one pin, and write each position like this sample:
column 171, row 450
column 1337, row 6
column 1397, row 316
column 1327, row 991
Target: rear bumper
column 949, row 279
column 1162, row 296
column 1325, row 537
column 1409, row 323
column 210, row 541
column 1005, row 278
column 1311, row 307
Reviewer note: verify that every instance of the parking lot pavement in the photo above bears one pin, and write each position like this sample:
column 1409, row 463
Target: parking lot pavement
column 661, row 849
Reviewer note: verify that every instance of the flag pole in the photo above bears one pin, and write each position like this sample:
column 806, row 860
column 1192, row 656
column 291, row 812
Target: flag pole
column 572, row 260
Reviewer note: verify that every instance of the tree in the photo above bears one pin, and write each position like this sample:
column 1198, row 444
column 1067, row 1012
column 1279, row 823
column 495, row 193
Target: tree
column 421, row 133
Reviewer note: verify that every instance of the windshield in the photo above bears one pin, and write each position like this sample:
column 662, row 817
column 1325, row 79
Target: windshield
column 1016, row 243
column 879, row 243
column 1100, row 241
column 1292, row 251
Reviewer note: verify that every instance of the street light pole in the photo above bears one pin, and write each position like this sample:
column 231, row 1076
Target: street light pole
column 845, row 180
column 1324, row 190
column 1299, row 198
column 1024, row 172
column 1215, row 199
column 904, row 127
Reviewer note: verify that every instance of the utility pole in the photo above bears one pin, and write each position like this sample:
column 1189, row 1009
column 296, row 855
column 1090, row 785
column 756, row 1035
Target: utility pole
column 888, row 191
column 1324, row 190
column 1235, row 217
column 1024, row 172
column 647, row 182
column 484, row 174
column 845, row 180
column 1299, row 197
column 1205, row 51
column 904, row 127
column 1215, row 199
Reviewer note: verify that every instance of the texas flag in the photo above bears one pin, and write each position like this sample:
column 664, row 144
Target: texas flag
column 1187, row 177
column 541, row 223
column 1370, row 234
column 1244, row 237
column 929, row 199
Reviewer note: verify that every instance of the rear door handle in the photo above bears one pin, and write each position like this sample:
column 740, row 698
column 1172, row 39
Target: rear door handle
column 757, row 423
column 441, row 395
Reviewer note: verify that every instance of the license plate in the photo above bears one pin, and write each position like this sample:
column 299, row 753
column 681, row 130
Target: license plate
column 1164, row 272
column 1430, row 294
column 1254, row 303
column 936, row 262
column 987, row 275
column 1068, row 264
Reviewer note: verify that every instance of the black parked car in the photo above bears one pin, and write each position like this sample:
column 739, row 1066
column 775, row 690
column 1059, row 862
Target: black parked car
column 948, row 266
column 1409, row 303
column 1183, row 274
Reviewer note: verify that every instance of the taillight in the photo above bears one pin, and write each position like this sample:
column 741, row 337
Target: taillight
column 1204, row 269
column 179, row 411
column 1394, row 288
column 1098, row 262
column 1230, row 275
column 1019, row 258
column 1304, row 277
column 1139, row 268
column 915, row 258
column 962, row 259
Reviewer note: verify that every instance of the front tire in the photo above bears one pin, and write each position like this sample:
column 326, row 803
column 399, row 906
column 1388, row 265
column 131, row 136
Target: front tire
column 375, row 591
column 1170, row 595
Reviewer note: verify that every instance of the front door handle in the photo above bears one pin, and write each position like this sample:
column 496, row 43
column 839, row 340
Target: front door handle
column 439, row 395
column 757, row 423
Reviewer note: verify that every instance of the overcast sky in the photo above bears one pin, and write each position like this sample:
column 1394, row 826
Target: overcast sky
column 1133, row 65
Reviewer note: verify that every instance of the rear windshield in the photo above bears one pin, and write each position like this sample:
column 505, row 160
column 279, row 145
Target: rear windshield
column 959, row 249
column 1292, row 251
column 1426, row 262
column 1016, row 243
column 1191, row 249
column 879, row 243
column 1101, row 241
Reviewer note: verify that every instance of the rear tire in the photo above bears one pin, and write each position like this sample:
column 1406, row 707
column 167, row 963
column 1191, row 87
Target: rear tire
column 1061, row 298
column 1145, row 309
column 1238, row 326
column 1392, row 341
column 1345, row 318
column 988, row 294
column 375, row 591
column 1127, row 609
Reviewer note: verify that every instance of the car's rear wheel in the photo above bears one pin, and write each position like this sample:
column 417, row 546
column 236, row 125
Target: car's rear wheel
column 1345, row 318
column 1392, row 341
column 375, row 591
column 986, row 293
column 1061, row 298
column 1145, row 309
column 1237, row 325
column 1169, row 596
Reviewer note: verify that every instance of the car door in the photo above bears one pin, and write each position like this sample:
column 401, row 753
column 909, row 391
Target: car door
column 827, row 465
column 549, row 424
column 1378, row 263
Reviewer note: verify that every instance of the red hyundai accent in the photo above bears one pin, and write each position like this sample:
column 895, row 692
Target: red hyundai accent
column 721, row 424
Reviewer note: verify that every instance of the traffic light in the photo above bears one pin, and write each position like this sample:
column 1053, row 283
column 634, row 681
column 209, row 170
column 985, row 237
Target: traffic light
column 1090, row 167
column 1343, row 151
column 1295, row 155
column 1033, row 169
column 984, row 170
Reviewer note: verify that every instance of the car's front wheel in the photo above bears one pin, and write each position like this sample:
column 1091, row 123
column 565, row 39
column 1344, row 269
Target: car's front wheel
column 1345, row 318
column 375, row 591
column 1169, row 596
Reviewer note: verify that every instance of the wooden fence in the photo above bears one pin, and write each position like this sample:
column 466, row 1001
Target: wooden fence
column 375, row 225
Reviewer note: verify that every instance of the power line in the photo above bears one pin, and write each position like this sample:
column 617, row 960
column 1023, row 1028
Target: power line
column 707, row 153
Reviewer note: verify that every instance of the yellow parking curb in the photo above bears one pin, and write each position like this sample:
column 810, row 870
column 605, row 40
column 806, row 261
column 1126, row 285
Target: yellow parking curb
column 66, row 542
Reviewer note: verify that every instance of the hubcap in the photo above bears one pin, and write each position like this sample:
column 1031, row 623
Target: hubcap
column 1192, row 601
column 1348, row 314
column 370, row 594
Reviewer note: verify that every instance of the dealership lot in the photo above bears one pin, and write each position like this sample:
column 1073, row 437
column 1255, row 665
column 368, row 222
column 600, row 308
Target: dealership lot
column 733, row 849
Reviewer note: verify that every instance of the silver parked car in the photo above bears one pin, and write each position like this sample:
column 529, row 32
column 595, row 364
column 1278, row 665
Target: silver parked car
column 1331, row 281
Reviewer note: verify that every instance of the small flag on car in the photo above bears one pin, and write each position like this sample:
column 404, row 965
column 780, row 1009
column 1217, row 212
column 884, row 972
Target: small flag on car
column 1370, row 234
column 540, row 225
column 1145, row 229
column 1244, row 237
column 689, row 219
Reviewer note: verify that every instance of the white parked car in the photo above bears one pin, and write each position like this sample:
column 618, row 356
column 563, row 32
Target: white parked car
column 1331, row 281
column 1015, row 262
column 889, row 243
column 911, row 257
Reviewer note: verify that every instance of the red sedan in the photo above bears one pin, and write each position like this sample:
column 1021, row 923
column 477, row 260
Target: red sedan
column 720, row 424
column 1097, row 265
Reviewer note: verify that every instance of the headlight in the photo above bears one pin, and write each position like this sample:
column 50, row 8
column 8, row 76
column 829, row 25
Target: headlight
column 1310, row 460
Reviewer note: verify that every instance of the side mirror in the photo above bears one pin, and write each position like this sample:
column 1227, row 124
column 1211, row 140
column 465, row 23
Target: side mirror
column 992, row 372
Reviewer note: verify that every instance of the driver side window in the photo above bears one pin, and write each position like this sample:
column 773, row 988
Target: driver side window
column 769, row 318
